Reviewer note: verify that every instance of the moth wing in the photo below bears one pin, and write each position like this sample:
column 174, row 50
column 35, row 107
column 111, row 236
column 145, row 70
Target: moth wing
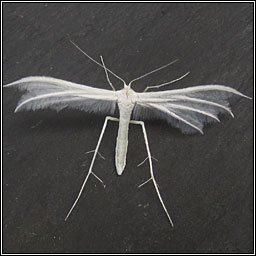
column 187, row 109
column 47, row 92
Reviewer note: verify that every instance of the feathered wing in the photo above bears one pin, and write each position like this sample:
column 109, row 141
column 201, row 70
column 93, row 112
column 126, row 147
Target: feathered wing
column 187, row 109
column 48, row 92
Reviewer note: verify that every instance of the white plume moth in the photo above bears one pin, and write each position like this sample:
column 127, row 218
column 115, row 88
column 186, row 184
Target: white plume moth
column 186, row 109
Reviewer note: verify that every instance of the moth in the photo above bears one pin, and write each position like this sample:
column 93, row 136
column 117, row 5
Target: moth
column 187, row 109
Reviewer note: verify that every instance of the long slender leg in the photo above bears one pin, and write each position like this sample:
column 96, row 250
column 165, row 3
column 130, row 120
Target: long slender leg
column 92, row 163
column 151, row 167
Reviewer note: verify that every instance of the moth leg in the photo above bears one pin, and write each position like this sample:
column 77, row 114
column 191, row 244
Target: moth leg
column 108, row 118
column 151, row 168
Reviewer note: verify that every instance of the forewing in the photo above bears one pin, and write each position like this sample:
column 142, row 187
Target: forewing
column 46, row 92
column 187, row 109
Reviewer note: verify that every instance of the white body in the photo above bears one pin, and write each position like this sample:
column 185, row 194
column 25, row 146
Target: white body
column 126, row 101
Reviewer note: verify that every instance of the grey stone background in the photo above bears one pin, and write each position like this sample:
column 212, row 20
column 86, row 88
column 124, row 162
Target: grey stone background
column 206, row 181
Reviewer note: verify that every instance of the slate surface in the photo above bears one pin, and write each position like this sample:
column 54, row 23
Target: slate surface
column 206, row 181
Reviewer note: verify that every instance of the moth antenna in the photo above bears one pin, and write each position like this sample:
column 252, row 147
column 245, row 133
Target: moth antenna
column 97, row 62
column 106, row 72
column 153, row 71
column 170, row 82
